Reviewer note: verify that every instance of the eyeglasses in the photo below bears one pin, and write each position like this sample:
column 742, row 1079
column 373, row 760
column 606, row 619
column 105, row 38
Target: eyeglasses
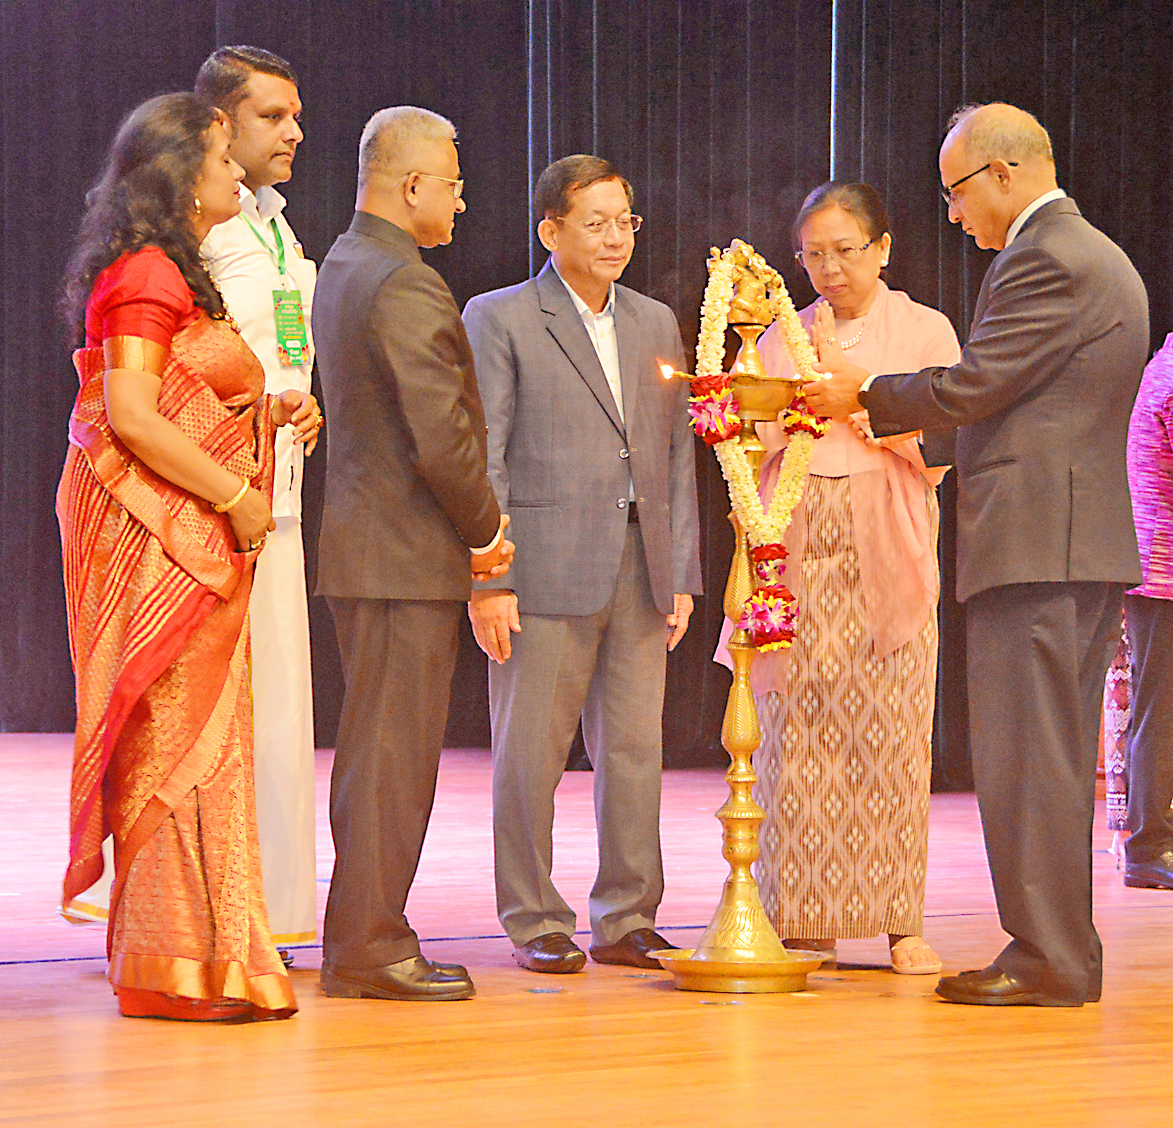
column 457, row 185
column 848, row 256
column 947, row 193
column 596, row 228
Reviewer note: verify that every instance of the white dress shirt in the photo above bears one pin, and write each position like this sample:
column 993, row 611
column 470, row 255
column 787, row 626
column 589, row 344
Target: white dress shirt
column 600, row 328
column 247, row 274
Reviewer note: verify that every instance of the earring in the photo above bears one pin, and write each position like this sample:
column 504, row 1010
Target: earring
column 199, row 208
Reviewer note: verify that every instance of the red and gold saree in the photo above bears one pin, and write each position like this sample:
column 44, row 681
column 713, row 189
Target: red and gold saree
column 157, row 602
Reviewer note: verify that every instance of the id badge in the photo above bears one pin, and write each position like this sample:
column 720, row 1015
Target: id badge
column 292, row 341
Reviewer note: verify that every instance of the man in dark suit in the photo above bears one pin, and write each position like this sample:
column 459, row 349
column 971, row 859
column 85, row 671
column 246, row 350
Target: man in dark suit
column 407, row 498
column 591, row 451
column 1045, row 547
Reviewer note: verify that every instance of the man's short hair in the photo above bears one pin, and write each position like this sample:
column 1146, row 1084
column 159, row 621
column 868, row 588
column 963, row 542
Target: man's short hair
column 1017, row 136
column 225, row 73
column 391, row 137
column 565, row 177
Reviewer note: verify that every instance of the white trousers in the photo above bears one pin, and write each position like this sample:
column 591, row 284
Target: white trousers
column 283, row 735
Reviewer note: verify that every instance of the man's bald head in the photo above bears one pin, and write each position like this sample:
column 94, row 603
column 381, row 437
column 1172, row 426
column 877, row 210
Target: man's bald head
column 995, row 161
column 999, row 130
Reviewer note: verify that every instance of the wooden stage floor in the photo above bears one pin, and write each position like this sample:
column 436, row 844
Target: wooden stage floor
column 610, row 1047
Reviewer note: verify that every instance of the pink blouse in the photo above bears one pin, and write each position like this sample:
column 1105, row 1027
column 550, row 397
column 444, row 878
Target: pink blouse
column 894, row 538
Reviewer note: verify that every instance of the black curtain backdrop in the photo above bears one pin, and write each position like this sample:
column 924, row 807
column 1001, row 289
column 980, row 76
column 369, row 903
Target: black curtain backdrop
column 719, row 112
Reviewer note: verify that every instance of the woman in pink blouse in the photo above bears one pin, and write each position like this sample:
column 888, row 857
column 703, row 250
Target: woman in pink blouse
column 846, row 712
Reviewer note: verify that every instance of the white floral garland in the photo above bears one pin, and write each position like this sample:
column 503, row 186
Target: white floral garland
column 710, row 344
column 763, row 527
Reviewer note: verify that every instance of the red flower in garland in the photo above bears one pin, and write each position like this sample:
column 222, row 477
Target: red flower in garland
column 715, row 419
column 769, row 617
column 799, row 417
column 767, row 564
column 715, row 385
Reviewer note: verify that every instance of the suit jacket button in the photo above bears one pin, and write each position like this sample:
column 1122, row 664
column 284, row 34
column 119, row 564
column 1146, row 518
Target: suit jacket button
column 624, row 452
column 622, row 503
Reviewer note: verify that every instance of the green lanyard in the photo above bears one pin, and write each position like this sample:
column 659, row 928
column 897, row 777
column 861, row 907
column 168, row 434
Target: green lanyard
column 278, row 257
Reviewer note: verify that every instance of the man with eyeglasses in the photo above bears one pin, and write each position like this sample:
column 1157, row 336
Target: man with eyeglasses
column 409, row 518
column 1040, row 403
column 591, row 452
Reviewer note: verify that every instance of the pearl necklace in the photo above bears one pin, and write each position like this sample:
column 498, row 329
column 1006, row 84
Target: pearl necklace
column 845, row 345
column 858, row 336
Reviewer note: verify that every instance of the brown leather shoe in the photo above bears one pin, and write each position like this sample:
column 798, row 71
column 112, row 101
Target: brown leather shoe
column 406, row 981
column 993, row 987
column 552, row 952
column 632, row 950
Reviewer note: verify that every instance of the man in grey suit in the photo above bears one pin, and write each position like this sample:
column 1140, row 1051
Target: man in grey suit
column 407, row 498
column 1045, row 546
column 591, row 452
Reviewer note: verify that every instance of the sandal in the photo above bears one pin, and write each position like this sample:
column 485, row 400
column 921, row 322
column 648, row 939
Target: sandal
column 902, row 952
column 135, row 1002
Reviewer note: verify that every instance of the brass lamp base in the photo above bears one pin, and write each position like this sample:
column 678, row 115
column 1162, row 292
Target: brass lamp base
column 739, row 976
column 740, row 952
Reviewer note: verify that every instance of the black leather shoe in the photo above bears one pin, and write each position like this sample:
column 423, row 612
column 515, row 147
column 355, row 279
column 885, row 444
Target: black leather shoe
column 993, row 987
column 1157, row 874
column 552, row 952
column 408, row 980
column 632, row 950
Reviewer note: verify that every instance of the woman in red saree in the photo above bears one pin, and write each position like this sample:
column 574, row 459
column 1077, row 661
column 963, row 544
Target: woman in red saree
column 163, row 506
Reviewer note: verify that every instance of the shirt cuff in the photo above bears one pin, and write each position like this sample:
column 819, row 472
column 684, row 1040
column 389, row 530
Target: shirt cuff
column 868, row 382
column 490, row 546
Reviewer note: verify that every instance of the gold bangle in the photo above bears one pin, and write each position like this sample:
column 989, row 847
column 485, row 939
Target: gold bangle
column 225, row 506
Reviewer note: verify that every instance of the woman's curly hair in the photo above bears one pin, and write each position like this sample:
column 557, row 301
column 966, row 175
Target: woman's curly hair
column 145, row 196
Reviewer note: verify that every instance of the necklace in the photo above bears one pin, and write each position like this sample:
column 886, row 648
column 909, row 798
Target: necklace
column 856, row 339
column 859, row 334
column 861, row 330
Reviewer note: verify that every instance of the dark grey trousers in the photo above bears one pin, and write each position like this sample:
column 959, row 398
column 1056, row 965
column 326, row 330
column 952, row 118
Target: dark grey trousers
column 397, row 658
column 1150, row 731
column 1037, row 656
column 607, row 668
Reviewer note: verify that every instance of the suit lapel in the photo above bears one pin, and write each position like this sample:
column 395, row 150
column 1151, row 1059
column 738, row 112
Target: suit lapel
column 567, row 329
column 979, row 309
column 630, row 354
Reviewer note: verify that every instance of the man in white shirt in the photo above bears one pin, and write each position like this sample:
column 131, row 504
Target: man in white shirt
column 591, row 452
column 268, row 287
